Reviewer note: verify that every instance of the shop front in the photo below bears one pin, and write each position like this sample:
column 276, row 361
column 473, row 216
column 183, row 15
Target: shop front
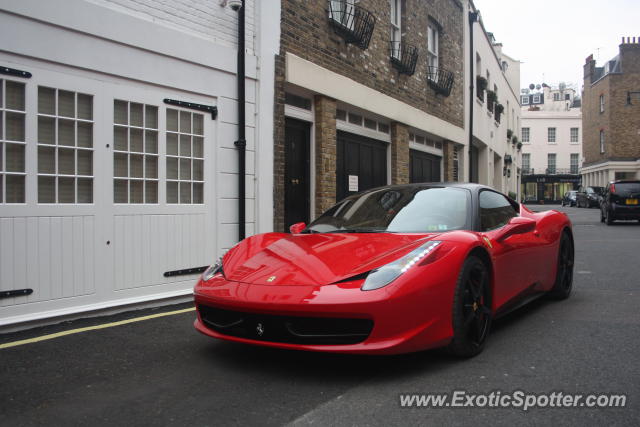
column 547, row 188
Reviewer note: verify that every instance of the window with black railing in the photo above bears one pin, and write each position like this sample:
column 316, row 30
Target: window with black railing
column 404, row 57
column 440, row 80
column 351, row 22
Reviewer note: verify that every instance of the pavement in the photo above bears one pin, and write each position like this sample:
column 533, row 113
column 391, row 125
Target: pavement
column 160, row 371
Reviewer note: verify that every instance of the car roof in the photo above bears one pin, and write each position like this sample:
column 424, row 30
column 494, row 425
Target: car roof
column 468, row 185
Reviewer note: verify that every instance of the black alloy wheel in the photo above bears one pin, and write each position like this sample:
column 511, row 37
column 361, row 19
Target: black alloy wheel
column 564, row 274
column 471, row 309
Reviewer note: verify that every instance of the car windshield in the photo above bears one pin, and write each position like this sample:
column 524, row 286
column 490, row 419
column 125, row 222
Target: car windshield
column 408, row 209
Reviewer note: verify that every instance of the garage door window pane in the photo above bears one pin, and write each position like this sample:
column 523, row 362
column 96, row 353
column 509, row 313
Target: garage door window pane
column 46, row 189
column 65, row 146
column 185, row 149
column 12, row 141
column 135, row 160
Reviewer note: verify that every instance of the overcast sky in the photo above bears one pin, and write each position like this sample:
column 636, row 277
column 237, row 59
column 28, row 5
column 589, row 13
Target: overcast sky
column 553, row 37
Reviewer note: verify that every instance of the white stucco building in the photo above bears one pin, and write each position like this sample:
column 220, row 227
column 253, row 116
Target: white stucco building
column 495, row 159
column 551, row 135
column 107, row 187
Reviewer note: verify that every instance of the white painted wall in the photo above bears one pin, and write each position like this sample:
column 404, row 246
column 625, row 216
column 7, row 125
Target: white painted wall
column 490, row 135
column 538, row 146
column 141, row 51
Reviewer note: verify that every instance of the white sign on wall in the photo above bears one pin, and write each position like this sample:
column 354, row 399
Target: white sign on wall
column 353, row 182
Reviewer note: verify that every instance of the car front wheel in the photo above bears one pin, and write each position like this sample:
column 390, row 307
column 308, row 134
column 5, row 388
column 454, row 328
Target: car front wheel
column 471, row 309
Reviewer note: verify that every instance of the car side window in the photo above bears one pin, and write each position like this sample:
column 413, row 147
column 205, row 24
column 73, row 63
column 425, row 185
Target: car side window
column 495, row 210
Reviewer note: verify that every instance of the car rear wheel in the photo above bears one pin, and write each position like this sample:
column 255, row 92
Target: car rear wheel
column 471, row 309
column 607, row 218
column 564, row 273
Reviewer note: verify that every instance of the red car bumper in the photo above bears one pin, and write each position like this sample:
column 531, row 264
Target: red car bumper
column 404, row 319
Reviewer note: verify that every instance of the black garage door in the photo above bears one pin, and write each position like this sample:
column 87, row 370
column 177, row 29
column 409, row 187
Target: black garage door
column 360, row 157
column 424, row 167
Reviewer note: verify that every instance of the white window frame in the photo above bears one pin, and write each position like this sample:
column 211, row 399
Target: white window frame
column 433, row 40
column 554, row 157
column 602, row 103
column 551, row 135
column 602, row 141
column 571, row 135
column 524, row 99
column 146, row 131
column 536, row 99
column 526, row 138
column 57, row 147
column 526, row 161
column 4, row 111
column 396, row 27
column 340, row 16
column 574, row 160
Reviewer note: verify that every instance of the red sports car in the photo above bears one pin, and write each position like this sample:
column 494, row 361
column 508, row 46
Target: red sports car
column 391, row 270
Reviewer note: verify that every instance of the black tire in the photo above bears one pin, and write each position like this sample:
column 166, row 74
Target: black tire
column 564, row 274
column 601, row 216
column 607, row 218
column 471, row 309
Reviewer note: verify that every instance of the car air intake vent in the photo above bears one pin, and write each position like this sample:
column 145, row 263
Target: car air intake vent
column 285, row 329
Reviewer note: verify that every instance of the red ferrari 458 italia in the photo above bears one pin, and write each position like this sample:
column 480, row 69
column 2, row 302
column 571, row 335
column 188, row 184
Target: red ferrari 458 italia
column 391, row 270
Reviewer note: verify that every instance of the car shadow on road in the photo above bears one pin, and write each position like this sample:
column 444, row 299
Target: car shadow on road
column 346, row 368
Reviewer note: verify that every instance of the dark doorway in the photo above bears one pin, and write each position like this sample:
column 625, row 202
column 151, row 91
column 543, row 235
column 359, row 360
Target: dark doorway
column 362, row 160
column 423, row 167
column 296, row 172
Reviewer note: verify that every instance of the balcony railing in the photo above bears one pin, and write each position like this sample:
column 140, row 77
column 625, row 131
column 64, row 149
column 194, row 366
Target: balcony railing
column 440, row 80
column 404, row 57
column 353, row 23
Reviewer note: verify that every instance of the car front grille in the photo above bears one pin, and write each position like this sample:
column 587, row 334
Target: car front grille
column 285, row 329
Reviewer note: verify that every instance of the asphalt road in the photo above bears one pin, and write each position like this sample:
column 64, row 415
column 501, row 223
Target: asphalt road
column 161, row 372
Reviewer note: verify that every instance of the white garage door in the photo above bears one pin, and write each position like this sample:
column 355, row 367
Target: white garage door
column 103, row 190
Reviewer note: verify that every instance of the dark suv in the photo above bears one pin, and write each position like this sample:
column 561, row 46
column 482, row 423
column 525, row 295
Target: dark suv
column 589, row 197
column 621, row 200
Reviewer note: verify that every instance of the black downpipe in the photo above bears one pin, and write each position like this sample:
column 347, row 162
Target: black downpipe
column 473, row 17
column 241, row 143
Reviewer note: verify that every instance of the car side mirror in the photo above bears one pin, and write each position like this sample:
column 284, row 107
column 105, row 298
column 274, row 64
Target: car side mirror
column 516, row 225
column 297, row 227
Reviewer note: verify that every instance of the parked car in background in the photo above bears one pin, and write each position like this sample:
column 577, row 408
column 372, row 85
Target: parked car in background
column 569, row 198
column 589, row 197
column 621, row 200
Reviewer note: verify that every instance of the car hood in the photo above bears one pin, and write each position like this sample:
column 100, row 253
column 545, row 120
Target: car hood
column 314, row 259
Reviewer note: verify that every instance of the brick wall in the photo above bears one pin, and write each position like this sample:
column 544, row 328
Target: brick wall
column 307, row 33
column 399, row 153
column 205, row 18
column 325, row 153
column 620, row 121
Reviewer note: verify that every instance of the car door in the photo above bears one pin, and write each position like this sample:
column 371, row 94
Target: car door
column 513, row 258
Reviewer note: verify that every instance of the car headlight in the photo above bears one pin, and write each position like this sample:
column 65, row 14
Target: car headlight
column 213, row 270
column 388, row 273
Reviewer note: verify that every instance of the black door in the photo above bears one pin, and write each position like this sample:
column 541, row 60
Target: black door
column 296, row 172
column 361, row 164
column 423, row 167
